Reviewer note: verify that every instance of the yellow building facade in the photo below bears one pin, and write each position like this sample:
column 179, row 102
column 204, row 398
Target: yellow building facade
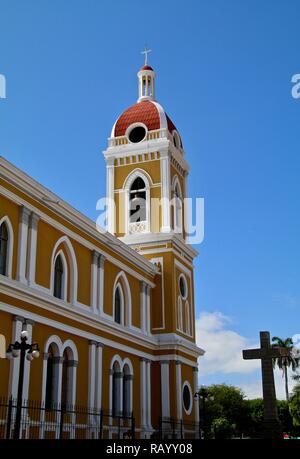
column 112, row 311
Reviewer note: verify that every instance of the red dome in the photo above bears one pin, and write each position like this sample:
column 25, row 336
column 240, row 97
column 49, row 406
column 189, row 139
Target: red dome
column 147, row 112
column 147, row 67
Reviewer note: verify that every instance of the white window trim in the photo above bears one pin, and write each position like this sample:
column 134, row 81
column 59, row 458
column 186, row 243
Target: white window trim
column 186, row 383
column 126, row 317
column 116, row 358
column 64, row 240
column 119, row 286
column 127, row 186
column 187, row 319
column 61, row 254
column 127, row 362
column 57, row 390
column 71, row 395
column 177, row 222
column 179, row 314
column 10, row 245
column 182, row 276
column 131, row 127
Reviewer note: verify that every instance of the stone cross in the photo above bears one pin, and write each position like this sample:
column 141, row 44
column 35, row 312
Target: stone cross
column 266, row 353
column 146, row 52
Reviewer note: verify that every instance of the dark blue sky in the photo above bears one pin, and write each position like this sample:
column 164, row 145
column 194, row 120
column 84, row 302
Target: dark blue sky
column 224, row 73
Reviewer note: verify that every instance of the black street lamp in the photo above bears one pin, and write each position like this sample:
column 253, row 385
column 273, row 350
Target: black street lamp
column 203, row 395
column 21, row 349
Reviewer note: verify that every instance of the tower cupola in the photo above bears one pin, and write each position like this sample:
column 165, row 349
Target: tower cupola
column 146, row 76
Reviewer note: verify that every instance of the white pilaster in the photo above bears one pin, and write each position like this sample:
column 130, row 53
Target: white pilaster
column 94, row 280
column 196, row 404
column 110, row 179
column 101, row 262
column 15, row 363
column 143, row 387
column 98, row 391
column 28, row 326
column 58, row 371
column 22, row 244
column 33, row 228
column 148, row 376
column 143, row 300
column 185, row 207
column 179, row 390
column 165, row 388
column 92, row 373
column 165, row 191
column 148, row 305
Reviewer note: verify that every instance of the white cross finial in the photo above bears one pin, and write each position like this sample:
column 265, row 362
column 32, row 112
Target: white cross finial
column 146, row 52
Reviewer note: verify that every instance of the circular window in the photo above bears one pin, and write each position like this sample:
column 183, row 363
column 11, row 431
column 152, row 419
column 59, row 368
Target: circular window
column 187, row 398
column 182, row 286
column 137, row 134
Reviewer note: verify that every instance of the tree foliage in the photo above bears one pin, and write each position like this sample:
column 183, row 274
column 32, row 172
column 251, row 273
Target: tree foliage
column 294, row 406
column 230, row 414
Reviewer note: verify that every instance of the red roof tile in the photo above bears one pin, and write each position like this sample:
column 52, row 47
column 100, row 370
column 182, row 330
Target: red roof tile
column 141, row 112
column 144, row 112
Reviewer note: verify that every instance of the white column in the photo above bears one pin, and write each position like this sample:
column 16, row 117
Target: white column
column 98, row 391
column 73, row 370
column 28, row 326
column 196, row 402
column 148, row 373
column 22, row 244
column 178, row 390
column 58, row 363
column 143, row 392
column 92, row 373
column 119, row 377
column 165, row 388
column 185, row 207
column 143, row 287
column 110, row 178
column 94, row 280
column 101, row 262
column 165, row 191
column 15, row 363
column 33, row 227
column 148, row 289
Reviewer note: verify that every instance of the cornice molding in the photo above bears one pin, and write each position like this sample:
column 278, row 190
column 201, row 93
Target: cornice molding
column 29, row 186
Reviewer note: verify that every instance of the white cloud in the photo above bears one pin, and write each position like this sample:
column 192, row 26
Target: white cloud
column 253, row 389
column 223, row 354
column 223, row 347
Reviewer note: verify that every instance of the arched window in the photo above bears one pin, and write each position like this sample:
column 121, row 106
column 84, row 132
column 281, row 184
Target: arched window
column 127, row 380
column 3, row 249
column 177, row 208
column 179, row 319
column 137, row 201
column 116, row 389
column 51, row 380
column 58, row 278
column 118, row 306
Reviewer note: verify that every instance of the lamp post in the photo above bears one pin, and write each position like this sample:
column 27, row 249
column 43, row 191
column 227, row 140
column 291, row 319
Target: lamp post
column 203, row 395
column 22, row 350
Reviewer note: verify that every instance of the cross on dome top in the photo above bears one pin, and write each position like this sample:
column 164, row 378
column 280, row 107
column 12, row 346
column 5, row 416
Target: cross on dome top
column 146, row 52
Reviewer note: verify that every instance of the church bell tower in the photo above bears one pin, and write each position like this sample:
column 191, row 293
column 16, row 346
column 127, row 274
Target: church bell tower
column 147, row 177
